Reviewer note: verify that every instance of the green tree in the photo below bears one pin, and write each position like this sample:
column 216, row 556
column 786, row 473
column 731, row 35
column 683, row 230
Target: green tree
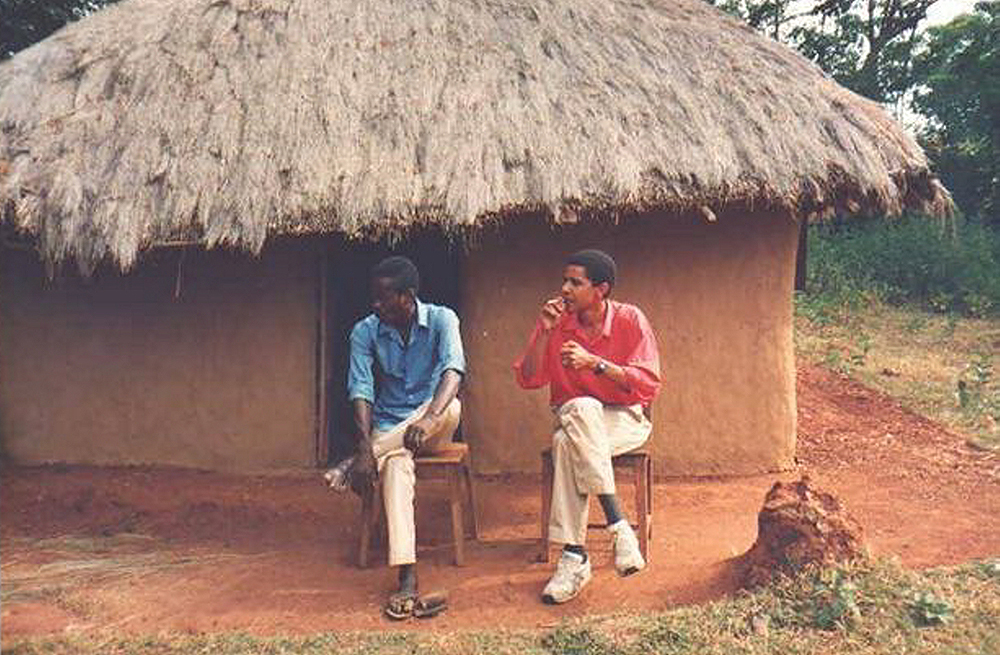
column 959, row 92
column 768, row 16
column 866, row 45
column 24, row 22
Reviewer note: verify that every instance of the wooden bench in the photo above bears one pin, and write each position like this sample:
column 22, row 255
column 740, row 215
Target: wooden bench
column 451, row 463
column 640, row 465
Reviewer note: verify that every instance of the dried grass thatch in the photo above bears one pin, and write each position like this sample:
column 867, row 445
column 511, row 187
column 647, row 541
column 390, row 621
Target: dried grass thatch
column 228, row 121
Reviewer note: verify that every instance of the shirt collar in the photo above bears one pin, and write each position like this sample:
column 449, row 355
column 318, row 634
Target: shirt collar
column 608, row 315
column 423, row 319
column 571, row 324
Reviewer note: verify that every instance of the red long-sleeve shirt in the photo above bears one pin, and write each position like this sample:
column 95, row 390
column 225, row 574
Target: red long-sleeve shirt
column 626, row 339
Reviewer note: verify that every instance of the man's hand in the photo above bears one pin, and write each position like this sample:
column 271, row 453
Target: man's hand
column 576, row 356
column 364, row 473
column 552, row 311
column 416, row 432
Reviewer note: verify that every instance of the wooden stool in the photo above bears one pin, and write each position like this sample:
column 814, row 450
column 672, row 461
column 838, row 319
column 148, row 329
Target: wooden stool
column 449, row 462
column 641, row 465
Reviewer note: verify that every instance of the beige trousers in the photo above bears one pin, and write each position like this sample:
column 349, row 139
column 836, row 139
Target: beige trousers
column 587, row 434
column 397, row 475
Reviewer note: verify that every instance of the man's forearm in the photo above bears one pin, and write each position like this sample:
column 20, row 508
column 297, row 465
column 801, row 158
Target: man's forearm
column 534, row 358
column 363, row 424
column 446, row 391
column 616, row 374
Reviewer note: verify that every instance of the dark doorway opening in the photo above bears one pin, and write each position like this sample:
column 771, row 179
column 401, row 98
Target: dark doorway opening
column 349, row 264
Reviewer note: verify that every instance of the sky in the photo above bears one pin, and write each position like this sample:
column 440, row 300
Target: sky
column 943, row 11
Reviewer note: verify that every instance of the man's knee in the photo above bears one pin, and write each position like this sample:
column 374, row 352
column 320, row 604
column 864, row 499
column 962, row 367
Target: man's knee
column 454, row 410
column 581, row 405
column 559, row 440
column 398, row 467
column 451, row 417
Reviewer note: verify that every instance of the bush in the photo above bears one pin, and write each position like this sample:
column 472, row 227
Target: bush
column 912, row 259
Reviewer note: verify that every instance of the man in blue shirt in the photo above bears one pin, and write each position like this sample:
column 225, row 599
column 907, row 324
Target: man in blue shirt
column 406, row 367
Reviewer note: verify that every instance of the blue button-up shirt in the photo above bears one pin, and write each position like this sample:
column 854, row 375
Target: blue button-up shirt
column 394, row 377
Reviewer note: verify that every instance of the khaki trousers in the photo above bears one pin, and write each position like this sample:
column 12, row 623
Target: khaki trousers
column 588, row 433
column 398, row 477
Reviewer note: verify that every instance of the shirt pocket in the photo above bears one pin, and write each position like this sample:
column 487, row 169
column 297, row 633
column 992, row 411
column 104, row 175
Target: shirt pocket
column 390, row 358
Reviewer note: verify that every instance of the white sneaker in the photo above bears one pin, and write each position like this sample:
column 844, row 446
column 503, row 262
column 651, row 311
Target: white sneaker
column 338, row 477
column 628, row 558
column 572, row 574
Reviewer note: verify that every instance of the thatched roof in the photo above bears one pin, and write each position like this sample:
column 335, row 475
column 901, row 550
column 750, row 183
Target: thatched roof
column 229, row 121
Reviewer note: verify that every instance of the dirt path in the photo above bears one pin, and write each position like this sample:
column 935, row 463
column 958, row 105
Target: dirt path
column 151, row 549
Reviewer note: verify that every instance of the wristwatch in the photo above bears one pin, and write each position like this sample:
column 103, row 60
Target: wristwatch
column 600, row 367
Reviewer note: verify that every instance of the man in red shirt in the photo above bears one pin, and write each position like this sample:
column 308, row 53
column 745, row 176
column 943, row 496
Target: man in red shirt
column 599, row 358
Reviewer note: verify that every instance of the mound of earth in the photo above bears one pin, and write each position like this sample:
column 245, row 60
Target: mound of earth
column 799, row 525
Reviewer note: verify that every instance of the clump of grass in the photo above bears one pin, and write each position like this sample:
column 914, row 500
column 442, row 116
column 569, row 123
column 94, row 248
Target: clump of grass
column 874, row 607
column 943, row 366
column 978, row 393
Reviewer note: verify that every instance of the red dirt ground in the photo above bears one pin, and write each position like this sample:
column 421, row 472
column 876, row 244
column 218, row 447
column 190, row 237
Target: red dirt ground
column 143, row 549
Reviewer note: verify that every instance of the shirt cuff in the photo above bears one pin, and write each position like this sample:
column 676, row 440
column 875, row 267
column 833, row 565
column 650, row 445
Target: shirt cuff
column 361, row 394
column 642, row 384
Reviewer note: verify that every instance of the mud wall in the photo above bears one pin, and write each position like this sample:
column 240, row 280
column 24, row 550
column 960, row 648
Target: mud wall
column 719, row 296
column 203, row 359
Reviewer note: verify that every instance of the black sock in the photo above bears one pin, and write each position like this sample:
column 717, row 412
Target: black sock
column 574, row 548
column 609, row 503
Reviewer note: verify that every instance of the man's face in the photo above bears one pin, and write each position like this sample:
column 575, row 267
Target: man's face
column 578, row 292
column 391, row 306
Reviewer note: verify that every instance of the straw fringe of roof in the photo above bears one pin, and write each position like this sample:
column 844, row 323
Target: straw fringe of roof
column 230, row 121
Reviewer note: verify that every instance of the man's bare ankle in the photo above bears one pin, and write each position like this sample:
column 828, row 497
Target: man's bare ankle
column 408, row 578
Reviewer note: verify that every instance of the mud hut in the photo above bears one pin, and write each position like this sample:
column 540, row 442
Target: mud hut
column 221, row 171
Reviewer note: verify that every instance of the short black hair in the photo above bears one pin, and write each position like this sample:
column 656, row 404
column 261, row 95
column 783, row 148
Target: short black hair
column 599, row 265
column 401, row 273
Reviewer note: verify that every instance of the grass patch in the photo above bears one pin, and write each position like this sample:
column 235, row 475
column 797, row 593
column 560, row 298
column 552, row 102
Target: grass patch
column 873, row 607
column 942, row 366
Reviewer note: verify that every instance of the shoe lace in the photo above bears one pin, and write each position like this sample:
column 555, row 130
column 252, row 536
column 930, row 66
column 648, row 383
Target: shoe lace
column 565, row 571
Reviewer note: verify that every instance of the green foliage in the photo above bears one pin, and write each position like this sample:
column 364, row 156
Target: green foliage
column 989, row 568
column 909, row 260
column 866, row 46
column 979, row 394
column 578, row 641
column 927, row 609
column 950, row 74
column 662, row 637
column 849, row 354
column 832, row 601
column 957, row 79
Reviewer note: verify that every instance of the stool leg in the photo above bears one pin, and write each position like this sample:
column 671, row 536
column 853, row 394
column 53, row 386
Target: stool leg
column 457, row 523
column 547, row 475
column 471, row 519
column 367, row 507
column 642, row 506
column 649, row 499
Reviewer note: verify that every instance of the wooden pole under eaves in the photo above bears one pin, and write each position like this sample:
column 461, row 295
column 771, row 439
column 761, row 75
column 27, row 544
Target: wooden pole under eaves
column 801, row 255
column 322, row 441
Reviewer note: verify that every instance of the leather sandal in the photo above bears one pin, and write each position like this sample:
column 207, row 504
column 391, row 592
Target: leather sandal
column 430, row 605
column 400, row 605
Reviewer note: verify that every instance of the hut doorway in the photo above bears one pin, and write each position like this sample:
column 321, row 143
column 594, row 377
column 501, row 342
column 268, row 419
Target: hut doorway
column 347, row 267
